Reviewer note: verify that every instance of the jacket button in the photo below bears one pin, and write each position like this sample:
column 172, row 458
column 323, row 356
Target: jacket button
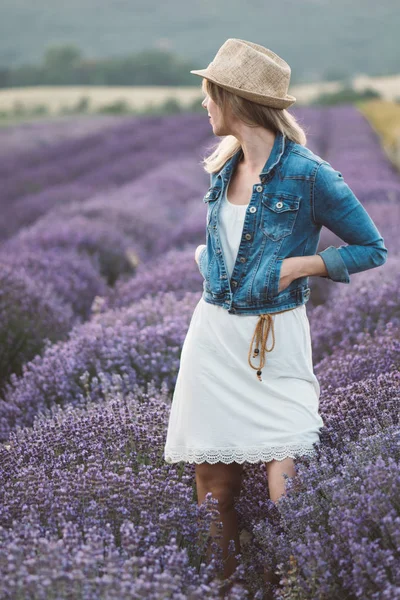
column 252, row 209
column 208, row 193
column 234, row 283
column 242, row 259
column 248, row 236
column 259, row 188
column 279, row 204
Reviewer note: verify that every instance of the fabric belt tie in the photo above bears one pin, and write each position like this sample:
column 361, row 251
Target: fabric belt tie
column 264, row 325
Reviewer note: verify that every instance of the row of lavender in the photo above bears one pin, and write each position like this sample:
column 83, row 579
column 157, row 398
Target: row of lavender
column 35, row 181
column 87, row 488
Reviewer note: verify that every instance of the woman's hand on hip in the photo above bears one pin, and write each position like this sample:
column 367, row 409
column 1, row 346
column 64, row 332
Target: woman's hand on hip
column 300, row 266
column 290, row 270
column 197, row 252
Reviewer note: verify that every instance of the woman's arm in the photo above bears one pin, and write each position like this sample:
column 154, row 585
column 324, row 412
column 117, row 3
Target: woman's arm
column 305, row 266
column 334, row 205
column 300, row 266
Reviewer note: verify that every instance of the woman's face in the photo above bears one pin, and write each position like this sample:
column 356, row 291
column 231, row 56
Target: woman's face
column 211, row 108
column 217, row 120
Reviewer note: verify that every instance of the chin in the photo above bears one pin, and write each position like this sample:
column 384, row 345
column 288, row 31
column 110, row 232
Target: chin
column 218, row 130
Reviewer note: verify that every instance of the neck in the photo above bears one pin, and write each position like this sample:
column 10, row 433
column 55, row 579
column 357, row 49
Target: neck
column 255, row 152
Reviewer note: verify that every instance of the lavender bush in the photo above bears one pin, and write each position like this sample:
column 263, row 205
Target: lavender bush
column 30, row 313
column 109, row 247
column 372, row 353
column 337, row 535
column 361, row 417
column 97, row 474
column 140, row 343
column 176, row 271
column 366, row 304
column 89, row 510
column 131, row 209
column 75, row 278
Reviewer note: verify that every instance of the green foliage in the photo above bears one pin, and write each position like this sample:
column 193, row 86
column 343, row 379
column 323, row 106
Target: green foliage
column 65, row 65
column 81, row 107
column 119, row 107
column 345, row 95
column 61, row 57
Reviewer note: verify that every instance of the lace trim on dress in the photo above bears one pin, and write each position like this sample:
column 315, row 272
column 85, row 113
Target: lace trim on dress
column 228, row 455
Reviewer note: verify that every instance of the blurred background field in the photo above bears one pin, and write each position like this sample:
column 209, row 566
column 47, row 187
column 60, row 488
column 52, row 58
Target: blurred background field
column 20, row 102
column 101, row 205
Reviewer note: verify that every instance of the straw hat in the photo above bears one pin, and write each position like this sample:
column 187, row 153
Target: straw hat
column 250, row 71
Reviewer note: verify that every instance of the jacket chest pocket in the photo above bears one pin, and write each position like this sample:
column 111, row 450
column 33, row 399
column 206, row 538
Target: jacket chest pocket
column 278, row 214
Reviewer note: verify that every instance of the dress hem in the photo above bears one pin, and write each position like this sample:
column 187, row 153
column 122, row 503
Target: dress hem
column 239, row 455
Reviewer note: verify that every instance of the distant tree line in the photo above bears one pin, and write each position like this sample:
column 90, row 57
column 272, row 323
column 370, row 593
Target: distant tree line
column 65, row 65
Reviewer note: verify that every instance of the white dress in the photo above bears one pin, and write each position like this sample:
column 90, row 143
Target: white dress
column 220, row 411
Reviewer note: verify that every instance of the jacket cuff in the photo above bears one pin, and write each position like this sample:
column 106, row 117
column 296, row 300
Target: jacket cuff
column 336, row 267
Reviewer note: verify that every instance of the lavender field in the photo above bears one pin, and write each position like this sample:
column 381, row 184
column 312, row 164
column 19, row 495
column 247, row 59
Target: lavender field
column 97, row 287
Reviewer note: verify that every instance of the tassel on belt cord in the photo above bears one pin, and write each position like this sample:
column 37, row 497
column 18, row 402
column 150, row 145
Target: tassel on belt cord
column 265, row 323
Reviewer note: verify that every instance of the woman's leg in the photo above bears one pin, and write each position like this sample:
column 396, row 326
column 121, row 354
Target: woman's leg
column 224, row 481
column 276, row 486
column 276, row 481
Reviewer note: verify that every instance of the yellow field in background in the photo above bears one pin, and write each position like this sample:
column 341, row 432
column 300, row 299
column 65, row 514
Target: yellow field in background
column 384, row 118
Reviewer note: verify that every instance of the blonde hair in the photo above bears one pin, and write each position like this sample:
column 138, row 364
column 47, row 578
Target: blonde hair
column 251, row 113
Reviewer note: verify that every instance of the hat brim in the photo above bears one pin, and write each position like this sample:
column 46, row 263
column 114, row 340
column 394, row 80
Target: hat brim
column 265, row 100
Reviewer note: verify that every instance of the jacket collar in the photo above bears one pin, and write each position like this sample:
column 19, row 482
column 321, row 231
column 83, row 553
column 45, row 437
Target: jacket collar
column 275, row 155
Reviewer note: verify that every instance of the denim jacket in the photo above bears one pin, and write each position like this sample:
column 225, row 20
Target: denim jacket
column 298, row 194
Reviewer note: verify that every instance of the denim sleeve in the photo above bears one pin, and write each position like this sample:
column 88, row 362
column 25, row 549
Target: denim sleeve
column 336, row 206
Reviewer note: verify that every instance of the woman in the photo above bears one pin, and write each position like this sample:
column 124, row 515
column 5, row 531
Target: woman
column 269, row 196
